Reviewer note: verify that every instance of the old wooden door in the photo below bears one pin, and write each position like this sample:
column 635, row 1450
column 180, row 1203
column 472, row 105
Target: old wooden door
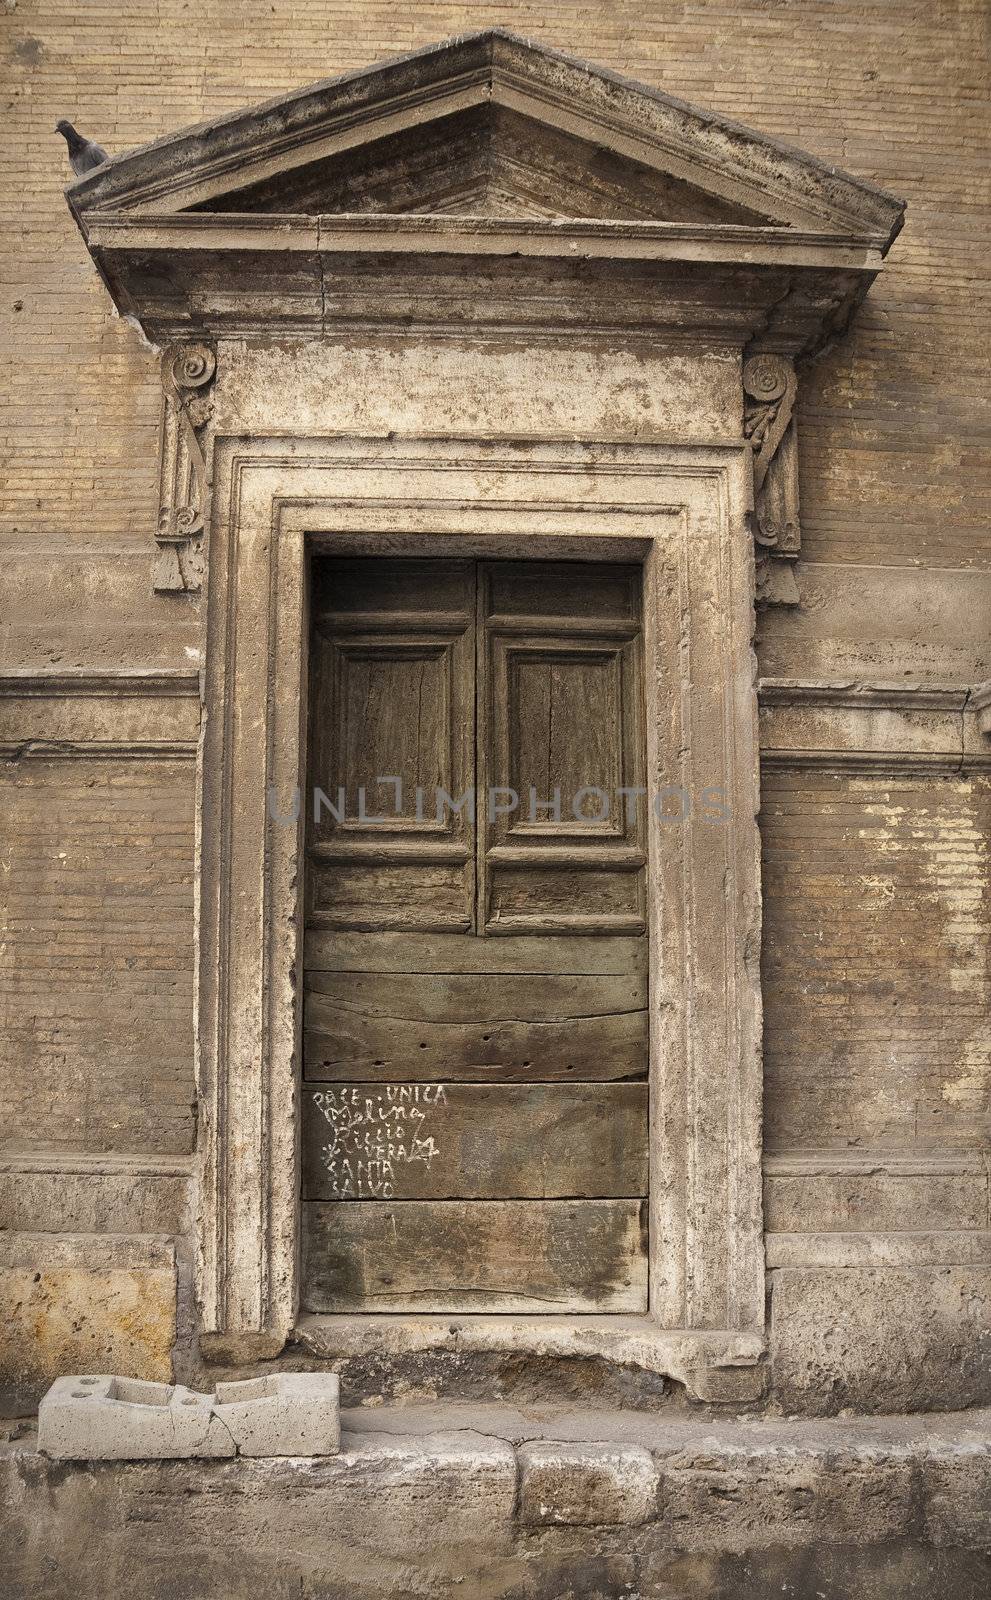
column 475, row 1011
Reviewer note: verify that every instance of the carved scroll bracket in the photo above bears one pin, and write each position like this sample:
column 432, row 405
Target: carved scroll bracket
column 769, row 390
column 188, row 371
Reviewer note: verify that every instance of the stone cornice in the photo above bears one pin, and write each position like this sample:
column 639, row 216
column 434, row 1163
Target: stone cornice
column 777, row 251
column 725, row 244
column 209, row 276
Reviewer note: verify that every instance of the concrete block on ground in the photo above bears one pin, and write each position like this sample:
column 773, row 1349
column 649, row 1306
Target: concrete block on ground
column 103, row 1418
column 283, row 1414
column 98, row 1417
column 586, row 1485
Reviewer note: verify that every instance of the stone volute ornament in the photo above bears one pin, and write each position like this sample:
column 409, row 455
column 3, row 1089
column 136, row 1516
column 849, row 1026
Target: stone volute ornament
column 769, row 392
column 188, row 372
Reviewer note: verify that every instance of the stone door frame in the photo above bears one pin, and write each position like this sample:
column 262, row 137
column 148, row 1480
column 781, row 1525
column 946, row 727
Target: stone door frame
column 683, row 511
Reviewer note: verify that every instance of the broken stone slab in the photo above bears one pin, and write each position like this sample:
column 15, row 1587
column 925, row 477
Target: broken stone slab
column 283, row 1414
column 98, row 1417
column 103, row 1418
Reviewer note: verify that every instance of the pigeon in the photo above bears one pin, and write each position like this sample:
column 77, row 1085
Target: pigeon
column 84, row 155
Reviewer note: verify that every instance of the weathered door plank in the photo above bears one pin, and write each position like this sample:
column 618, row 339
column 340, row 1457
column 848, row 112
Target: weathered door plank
column 471, row 997
column 464, row 953
column 342, row 1045
column 476, row 1256
column 403, row 1141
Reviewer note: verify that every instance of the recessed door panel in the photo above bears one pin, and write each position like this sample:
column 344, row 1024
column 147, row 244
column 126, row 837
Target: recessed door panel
column 392, row 728
column 560, row 749
column 561, row 738
column 393, row 704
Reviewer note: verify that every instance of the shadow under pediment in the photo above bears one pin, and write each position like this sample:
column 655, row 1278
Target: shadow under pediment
column 486, row 161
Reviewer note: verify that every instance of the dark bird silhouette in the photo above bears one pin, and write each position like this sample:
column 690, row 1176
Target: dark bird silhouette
column 84, row 155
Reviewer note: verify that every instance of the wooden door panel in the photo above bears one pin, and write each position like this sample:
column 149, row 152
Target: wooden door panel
column 393, row 705
column 406, row 893
column 403, row 1141
column 478, row 1255
column 560, row 734
column 563, row 898
column 563, row 726
column 354, row 589
column 392, row 725
column 517, row 592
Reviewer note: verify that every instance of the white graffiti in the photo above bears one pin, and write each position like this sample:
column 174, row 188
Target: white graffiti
column 375, row 1133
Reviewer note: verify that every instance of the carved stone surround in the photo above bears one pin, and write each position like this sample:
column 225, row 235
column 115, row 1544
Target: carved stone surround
column 351, row 208
column 683, row 512
column 186, row 451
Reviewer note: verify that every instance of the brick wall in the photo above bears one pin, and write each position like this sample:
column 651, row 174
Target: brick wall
column 877, row 980
column 96, row 966
column 895, row 460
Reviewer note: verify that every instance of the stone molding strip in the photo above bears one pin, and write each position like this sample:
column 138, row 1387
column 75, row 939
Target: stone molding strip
column 63, row 1192
column 98, row 750
column 877, row 728
column 779, row 1164
column 92, row 713
column 873, row 728
column 98, row 1252
column 118, row 682
column 111, row 1165
column 830, row 1163
column 926, row 1248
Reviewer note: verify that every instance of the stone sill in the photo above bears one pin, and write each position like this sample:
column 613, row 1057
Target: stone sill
column 413, row 1430
column 714, row 1365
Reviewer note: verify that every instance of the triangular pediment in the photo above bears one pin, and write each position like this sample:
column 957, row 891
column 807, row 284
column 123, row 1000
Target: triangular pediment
column 488, row 161
column 488, row 126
